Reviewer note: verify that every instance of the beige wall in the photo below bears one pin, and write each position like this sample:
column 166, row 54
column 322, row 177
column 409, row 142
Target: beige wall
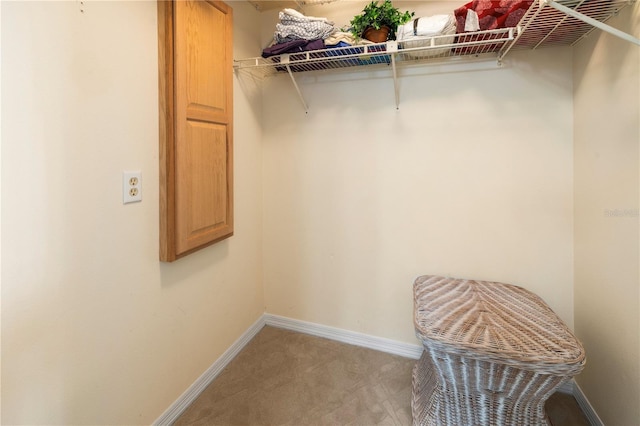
column 337, row 211
column 472, row 177
column 0, row 223
column 607, row 280
column 95, row 330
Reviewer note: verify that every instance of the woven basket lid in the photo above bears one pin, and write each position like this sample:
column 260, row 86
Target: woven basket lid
column 493, row 321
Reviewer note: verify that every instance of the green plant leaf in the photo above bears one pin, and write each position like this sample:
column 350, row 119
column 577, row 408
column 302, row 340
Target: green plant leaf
column 377, row 15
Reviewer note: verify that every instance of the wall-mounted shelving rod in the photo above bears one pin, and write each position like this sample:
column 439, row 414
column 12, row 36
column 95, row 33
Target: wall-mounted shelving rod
column 601, row 25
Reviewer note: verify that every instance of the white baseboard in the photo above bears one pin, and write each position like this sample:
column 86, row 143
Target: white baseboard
column 572, row 388
column 190, row 395
column 586, row 407
column 345, row 336
column 567, row 387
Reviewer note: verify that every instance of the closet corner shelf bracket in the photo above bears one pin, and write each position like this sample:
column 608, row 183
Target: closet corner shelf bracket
column 593, row 22
column 546, row 23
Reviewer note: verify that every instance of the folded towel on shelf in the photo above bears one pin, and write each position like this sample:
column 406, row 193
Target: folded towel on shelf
column 293, row 46
column 294, row 26
column 340, row 36
column 427, row 26
column 295, row 14
column 422, row 32
column 337, row 45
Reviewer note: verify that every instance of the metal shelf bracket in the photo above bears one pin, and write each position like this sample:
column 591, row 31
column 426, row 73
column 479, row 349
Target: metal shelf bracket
column 285, row 61
column 392, row 48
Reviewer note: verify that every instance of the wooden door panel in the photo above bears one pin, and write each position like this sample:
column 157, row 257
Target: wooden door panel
column 196, row 125
column 202, row 184
column 200, row 89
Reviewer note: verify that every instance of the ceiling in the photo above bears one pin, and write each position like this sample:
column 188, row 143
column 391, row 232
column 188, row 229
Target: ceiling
column 262, row 5
column 273, row 4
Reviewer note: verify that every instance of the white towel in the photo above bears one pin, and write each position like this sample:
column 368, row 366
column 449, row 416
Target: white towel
column 427, row 26
column 339, row 36
column 299, row 15
column 471, row 23
column 433, row 32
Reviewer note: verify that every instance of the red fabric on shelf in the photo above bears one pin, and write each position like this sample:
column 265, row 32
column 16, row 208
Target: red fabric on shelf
column 493, row 14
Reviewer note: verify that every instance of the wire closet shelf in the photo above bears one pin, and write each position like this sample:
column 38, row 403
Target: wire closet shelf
column 546, row 23
column 423, row 49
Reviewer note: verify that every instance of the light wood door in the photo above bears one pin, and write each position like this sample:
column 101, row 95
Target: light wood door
column 196, row 126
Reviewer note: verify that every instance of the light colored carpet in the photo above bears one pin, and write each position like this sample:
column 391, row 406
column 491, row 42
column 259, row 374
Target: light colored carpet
column 288, row 378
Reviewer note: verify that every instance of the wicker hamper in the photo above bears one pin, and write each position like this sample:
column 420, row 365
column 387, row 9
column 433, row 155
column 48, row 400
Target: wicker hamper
column 493, row 354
